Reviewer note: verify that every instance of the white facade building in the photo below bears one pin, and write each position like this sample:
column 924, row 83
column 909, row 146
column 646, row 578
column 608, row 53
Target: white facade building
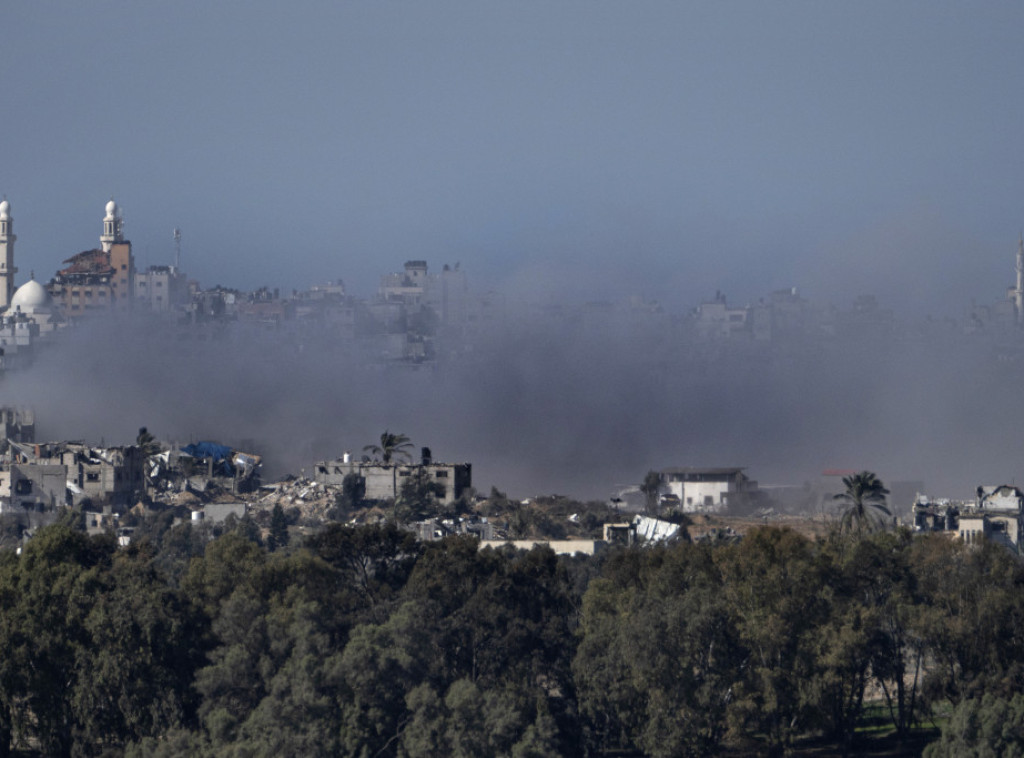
column 708, row 489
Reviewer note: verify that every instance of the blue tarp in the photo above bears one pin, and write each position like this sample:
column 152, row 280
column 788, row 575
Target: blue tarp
column 207, row 450
column 220, row 454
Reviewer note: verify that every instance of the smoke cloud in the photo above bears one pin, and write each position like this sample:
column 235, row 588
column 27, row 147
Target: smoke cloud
column 579, row 401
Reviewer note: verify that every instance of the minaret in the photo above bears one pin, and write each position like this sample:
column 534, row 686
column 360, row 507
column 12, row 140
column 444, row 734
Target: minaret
column 1018, row 293
column 112, row 226
column 7, row 269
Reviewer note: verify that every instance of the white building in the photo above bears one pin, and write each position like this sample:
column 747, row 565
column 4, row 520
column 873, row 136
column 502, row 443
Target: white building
column 708, row 489
column 32, row 302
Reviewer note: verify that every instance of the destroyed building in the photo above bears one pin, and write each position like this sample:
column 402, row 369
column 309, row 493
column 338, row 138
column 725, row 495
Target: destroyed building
column 17, row 424
column 32, row 492
column 384, row 481
column 111, row 476
column 996, row 515
column 201, row 462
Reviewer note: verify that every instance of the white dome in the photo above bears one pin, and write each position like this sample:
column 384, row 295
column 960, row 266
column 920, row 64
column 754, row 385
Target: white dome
column 111, row 208
column 30, row 297
column 5, row 209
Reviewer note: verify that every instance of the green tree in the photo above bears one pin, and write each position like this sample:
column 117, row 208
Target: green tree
column 353, row 492
column 392, row 446
column 55, row 584
column 969, row 618
column 278, row 536
column 659, row 655
column 270, row 686
column 877, row 573
column 397, row 653
column 374, row 562
column 863, row 501
column 418, row 496
column 146, row 642
column 771, row 582
column 979, row 728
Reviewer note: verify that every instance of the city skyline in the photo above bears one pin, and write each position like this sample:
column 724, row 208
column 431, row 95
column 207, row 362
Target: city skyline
column 663, row 150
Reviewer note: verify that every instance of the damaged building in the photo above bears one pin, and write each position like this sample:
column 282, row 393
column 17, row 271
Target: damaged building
column 102, row 279
column 32, row 492
column 996, row 515
column 98, row 475
column 384, row 481
column 17, row 424
column 203, row 465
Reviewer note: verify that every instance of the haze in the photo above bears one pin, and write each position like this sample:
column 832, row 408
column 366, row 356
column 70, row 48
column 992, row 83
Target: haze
column 561, row 153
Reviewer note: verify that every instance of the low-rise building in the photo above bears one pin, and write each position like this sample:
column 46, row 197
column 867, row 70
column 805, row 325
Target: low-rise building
column 103, row 475
column 31, row 493
column 997, row 515
column 17, row 424
column 710, row 489
column 384, row 481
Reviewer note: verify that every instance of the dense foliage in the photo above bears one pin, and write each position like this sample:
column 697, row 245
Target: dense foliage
column 363, row 642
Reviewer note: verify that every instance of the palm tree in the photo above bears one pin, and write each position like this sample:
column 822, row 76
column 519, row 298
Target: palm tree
column 864, row 501
column 147, row 443
column 391, row 446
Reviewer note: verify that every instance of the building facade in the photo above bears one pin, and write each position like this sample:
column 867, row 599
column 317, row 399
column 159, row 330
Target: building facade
column 161, row 288
column 709, row 489
column 102, row 279
column 384, row 481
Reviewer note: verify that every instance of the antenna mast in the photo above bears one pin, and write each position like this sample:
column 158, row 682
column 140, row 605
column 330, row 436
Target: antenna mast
column 177, row 249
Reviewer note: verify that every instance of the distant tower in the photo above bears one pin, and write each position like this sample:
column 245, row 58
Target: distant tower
column 1018, row 292
column 113, row 224
column 177, row 249
column 7, row 269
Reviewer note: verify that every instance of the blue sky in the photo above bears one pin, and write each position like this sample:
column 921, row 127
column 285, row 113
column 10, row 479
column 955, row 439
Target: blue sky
column 593, row 149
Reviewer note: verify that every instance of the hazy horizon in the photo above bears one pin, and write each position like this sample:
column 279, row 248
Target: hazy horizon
column 665, row 150
column 571, row 151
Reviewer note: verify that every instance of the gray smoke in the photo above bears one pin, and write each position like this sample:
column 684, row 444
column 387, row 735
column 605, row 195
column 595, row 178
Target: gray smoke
column 557, row 403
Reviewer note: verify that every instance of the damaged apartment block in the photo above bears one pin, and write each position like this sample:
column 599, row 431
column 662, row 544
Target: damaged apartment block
column 17, row 424
column 209, row 463
column 996, row 515
column 100, row 476
column 384, row 481
column 37, row 479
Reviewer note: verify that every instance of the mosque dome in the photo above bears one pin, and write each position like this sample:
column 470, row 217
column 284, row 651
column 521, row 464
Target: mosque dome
column 5, row 209
column 30, row 298
column 111, row 208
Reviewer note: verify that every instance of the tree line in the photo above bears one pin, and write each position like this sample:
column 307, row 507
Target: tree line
column 364, row 642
